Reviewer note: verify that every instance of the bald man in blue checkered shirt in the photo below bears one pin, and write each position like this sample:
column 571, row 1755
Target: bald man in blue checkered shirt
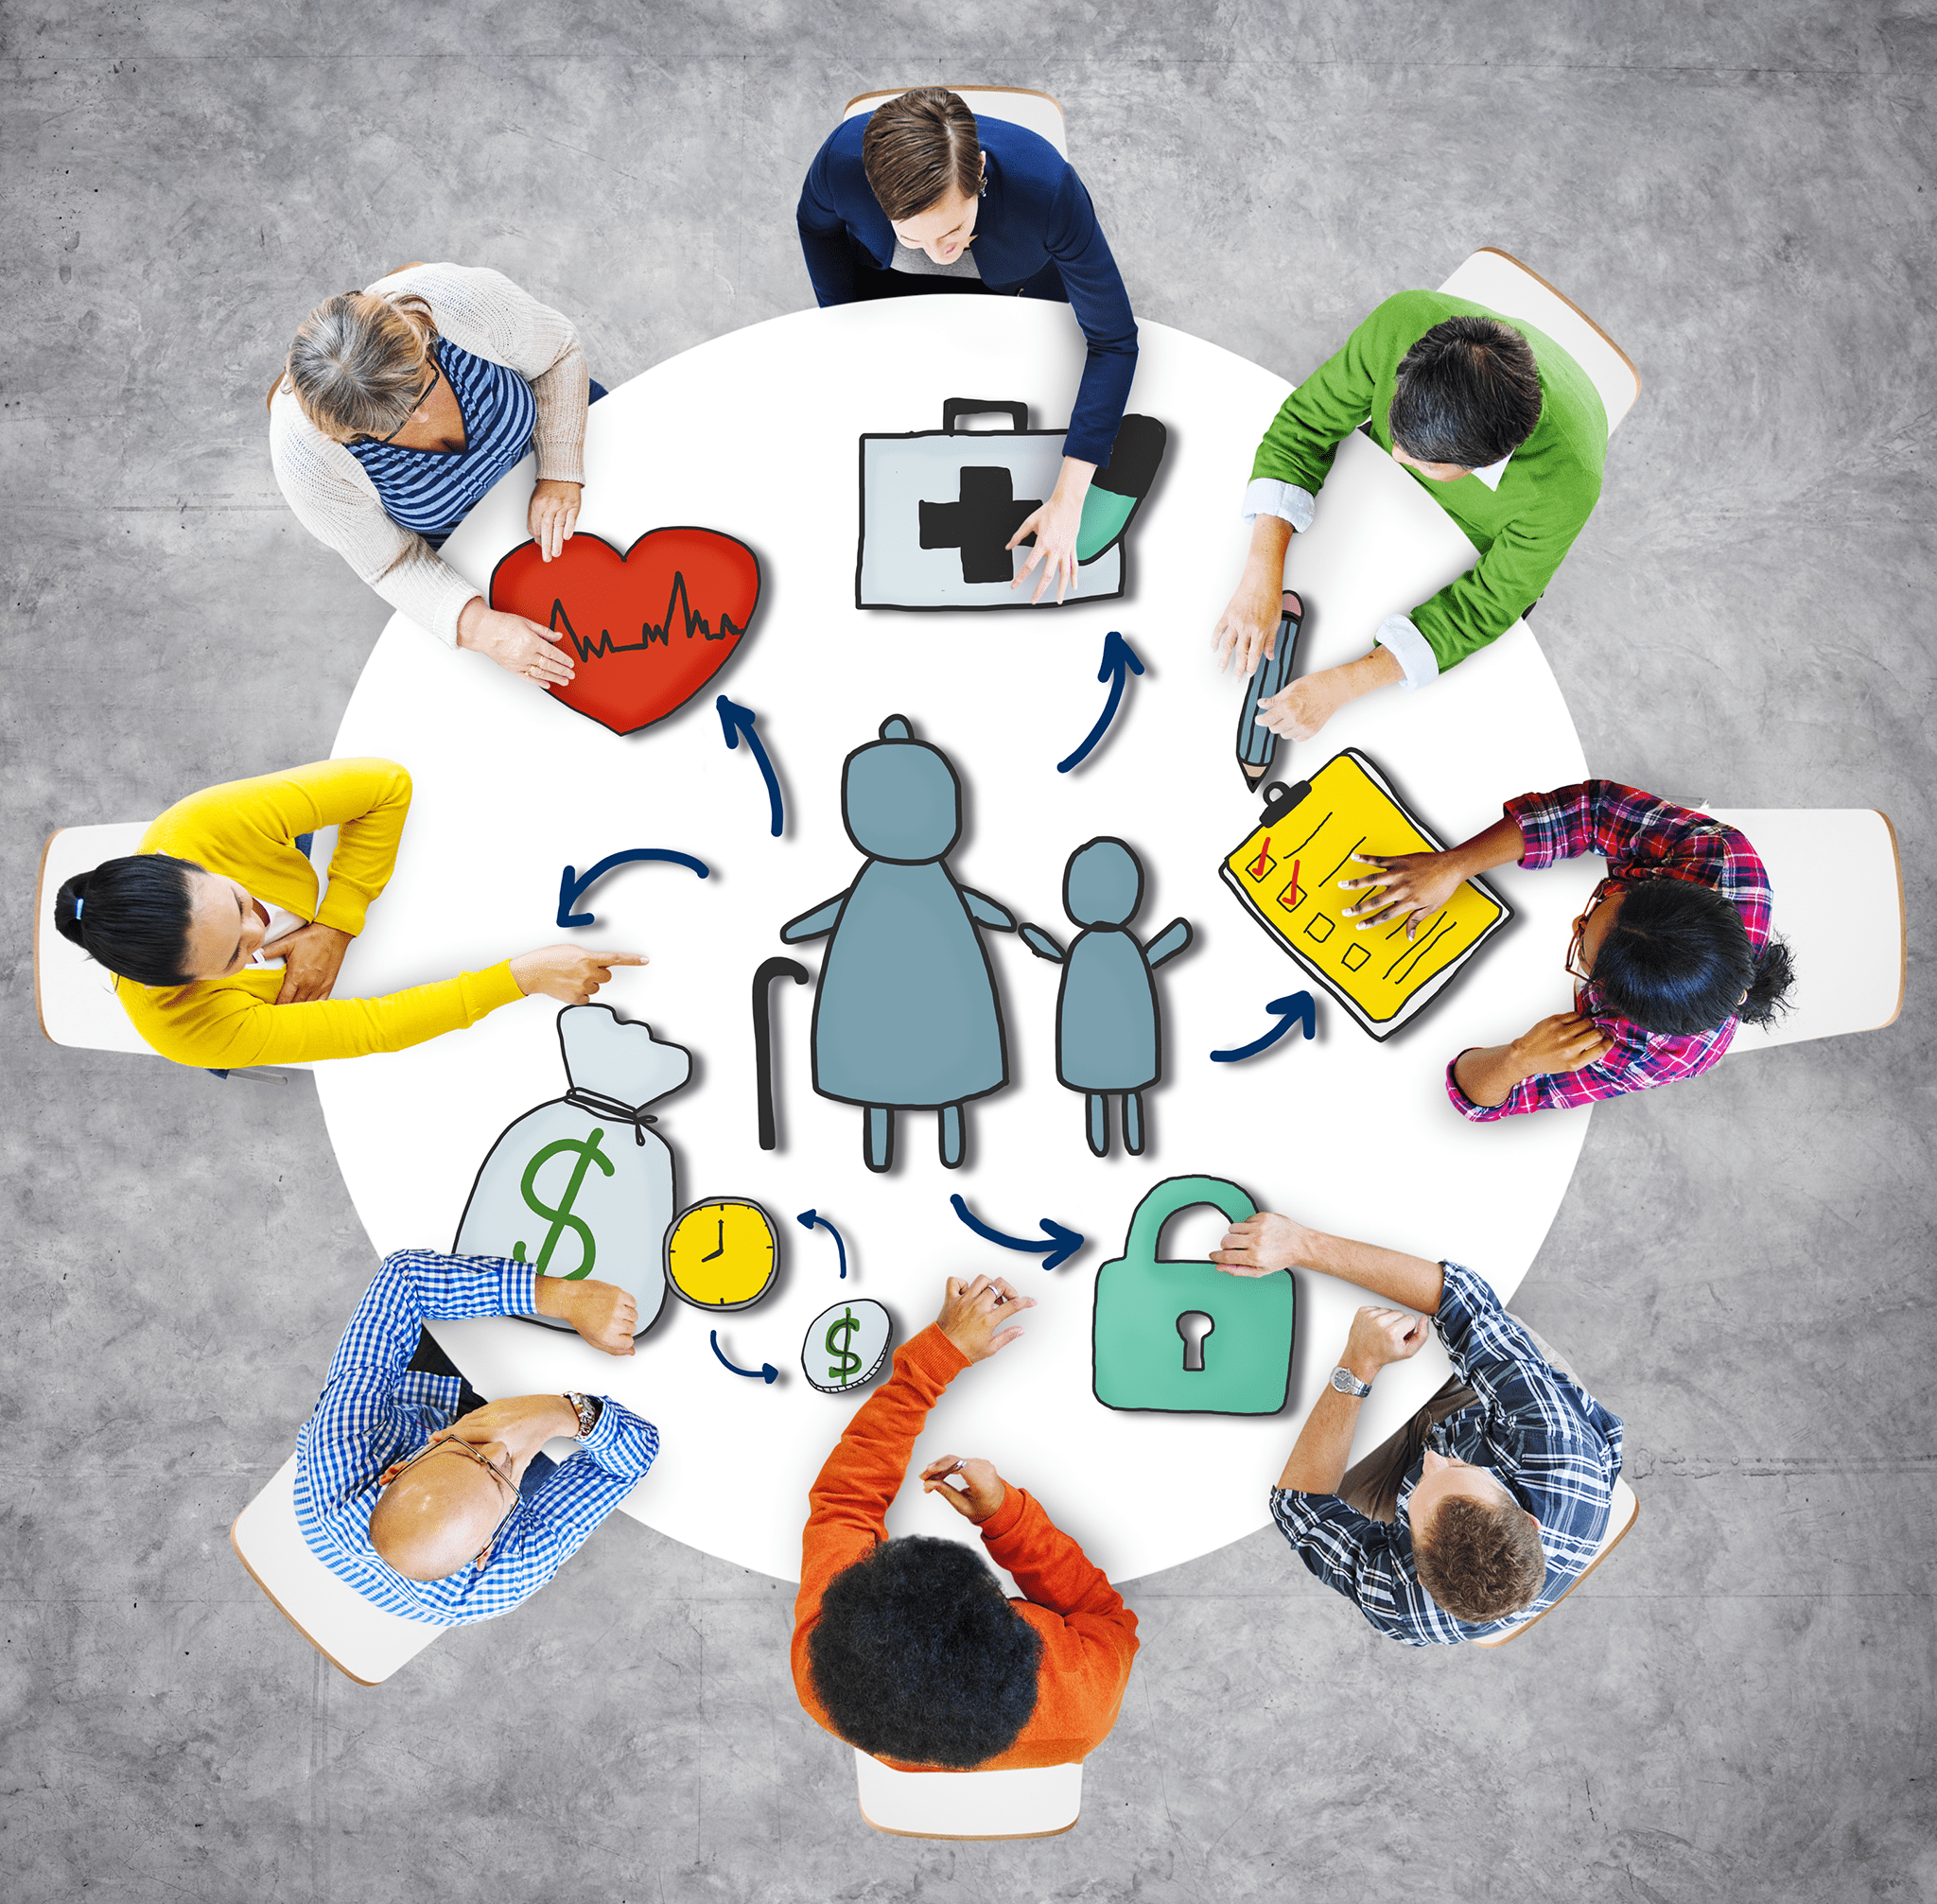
column 1490, row 1504
column 431, row 1501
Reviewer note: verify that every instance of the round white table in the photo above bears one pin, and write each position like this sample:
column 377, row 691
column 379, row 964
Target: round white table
column 755, row 434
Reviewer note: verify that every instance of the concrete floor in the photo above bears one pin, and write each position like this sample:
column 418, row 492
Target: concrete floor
column 1741, row 1707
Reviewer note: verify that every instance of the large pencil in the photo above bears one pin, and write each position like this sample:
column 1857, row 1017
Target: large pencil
column 1257, row 745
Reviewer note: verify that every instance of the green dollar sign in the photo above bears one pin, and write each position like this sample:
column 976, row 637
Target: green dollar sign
column 849, row 1366
column 588, row 1153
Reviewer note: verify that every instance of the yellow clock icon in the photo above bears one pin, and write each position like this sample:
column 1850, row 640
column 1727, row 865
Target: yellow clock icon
column 722, row 1254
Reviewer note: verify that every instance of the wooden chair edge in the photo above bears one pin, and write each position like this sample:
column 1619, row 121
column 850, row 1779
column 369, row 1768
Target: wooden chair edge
column 354, row 1678
column 970, row 1837
column 1903, row 921
column 894, row 92
column 1505, row 1638
column 1605, row 338
column 39, row 900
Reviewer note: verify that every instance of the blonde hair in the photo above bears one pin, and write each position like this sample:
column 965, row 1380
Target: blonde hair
column 357, row 363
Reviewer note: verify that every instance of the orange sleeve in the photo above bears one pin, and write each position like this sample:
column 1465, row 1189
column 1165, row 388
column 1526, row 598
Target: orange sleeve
column 848, row 1506
column 1089, row 1634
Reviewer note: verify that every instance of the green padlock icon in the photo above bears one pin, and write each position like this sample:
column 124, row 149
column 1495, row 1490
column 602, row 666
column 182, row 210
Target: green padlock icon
column 1187, row 1339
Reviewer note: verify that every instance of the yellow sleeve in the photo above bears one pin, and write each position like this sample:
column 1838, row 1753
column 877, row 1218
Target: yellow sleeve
column 245, row 829
column 227, row 1023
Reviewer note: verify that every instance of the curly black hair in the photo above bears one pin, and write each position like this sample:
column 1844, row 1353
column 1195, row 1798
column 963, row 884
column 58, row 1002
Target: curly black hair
column 919, row 1657
column 1677, row 959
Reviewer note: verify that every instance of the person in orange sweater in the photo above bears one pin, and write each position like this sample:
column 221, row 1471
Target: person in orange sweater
column 907, row 1647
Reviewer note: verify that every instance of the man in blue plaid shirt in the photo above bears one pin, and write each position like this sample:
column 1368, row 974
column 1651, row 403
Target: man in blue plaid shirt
column 1490, row 1504
column 430, row 1501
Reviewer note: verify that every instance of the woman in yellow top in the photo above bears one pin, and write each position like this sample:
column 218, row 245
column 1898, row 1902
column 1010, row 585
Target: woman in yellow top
column 218, row 889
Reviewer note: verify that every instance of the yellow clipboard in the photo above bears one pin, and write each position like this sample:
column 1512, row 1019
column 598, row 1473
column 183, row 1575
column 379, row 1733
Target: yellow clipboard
column 1286, row 872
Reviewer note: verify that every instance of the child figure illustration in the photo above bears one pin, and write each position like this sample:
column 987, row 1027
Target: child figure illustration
column 1108, row 1031
column 906, row 1015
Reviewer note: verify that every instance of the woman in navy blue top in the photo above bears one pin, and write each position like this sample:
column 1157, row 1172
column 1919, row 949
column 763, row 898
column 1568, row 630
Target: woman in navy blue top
column 922, row 196
column 400, row 406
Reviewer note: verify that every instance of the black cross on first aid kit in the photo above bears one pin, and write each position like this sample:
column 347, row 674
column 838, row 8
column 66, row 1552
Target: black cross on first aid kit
column 940, row 507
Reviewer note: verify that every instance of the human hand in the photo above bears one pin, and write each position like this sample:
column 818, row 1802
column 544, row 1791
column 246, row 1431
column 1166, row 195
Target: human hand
column 552, row 516
column 1298, row 709
column 981, row 1491
column 1567, row 1041
column 505, row 1432
column 1381, row 1336
column 312, row 956
column 603, row 1313
column 1247, row 632
column 975, row 1315
column 1407, row 883
column 517, row 644
column 567, row 973
column 1261, row 1244
column 1054, row 526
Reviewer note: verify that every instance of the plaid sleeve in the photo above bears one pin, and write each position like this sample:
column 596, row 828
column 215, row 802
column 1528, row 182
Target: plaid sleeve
column 1357, row 1557
column 1591, row 816
column 359, row 1419
column 1639, row 1062
column 1642, row 836
column 1529, row 1402
column 576, row 1497
column 1541, row 1432
column 1478, row 1334
column 621, row 1443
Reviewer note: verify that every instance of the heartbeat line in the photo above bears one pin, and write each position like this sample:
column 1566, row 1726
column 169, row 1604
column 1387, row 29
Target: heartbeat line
column 678, row 606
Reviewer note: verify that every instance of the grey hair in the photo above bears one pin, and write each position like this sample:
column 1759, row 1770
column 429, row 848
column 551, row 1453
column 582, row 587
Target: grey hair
column 357, row 363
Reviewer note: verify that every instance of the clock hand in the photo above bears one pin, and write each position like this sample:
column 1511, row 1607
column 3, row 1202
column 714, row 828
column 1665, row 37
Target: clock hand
column 722, row 1250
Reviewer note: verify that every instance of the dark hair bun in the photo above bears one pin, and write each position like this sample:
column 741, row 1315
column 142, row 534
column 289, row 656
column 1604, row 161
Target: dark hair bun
column 67, row 908
column 131, row 915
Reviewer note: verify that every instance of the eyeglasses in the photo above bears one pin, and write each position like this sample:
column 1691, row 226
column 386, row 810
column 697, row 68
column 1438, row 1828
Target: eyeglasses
column 417, row 403
column 1594, row 899
column 502, row 1479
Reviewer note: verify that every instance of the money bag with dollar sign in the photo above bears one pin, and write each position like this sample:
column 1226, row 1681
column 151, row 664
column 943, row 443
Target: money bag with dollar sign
column 581, row 1186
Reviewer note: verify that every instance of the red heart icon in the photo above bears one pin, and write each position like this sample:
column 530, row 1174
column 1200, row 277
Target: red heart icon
column 646, row 630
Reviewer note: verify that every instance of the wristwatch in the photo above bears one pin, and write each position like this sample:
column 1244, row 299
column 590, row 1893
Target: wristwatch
column 1349, row 1384
column 587, row 1408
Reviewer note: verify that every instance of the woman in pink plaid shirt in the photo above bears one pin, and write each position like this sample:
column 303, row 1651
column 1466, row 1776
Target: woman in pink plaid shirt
column 1673, row 951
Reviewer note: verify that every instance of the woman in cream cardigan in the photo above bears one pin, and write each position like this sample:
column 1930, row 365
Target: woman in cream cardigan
column 399, row 406
column 226, row 953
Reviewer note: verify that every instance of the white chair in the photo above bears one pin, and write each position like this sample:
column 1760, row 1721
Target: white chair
column 1622, row 1509
column 356, row 1637
column 1041, row 1802
column 1837, row 881
column 74, row 997
column 1036, row 112
column 1502, row 283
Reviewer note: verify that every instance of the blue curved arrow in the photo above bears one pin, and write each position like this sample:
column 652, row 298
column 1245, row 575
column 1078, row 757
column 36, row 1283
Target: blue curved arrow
column 571, row 887
column 736, row 723
column 1118, row 662
column 1063, row 1244
column 765, row 1372
column 1295, row 1009
column 808, row 1218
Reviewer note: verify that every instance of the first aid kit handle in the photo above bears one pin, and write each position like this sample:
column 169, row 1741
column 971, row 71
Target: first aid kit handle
column 1179, row 1193
column 955, row 407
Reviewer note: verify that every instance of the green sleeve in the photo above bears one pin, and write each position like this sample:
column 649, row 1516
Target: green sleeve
column 1481, row 605
column 1330, row 404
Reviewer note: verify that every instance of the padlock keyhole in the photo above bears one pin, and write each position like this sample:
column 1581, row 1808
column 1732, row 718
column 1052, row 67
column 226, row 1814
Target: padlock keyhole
column 1193, row 1326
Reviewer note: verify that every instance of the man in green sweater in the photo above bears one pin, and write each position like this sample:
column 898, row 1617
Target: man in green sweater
column 1502, row 428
